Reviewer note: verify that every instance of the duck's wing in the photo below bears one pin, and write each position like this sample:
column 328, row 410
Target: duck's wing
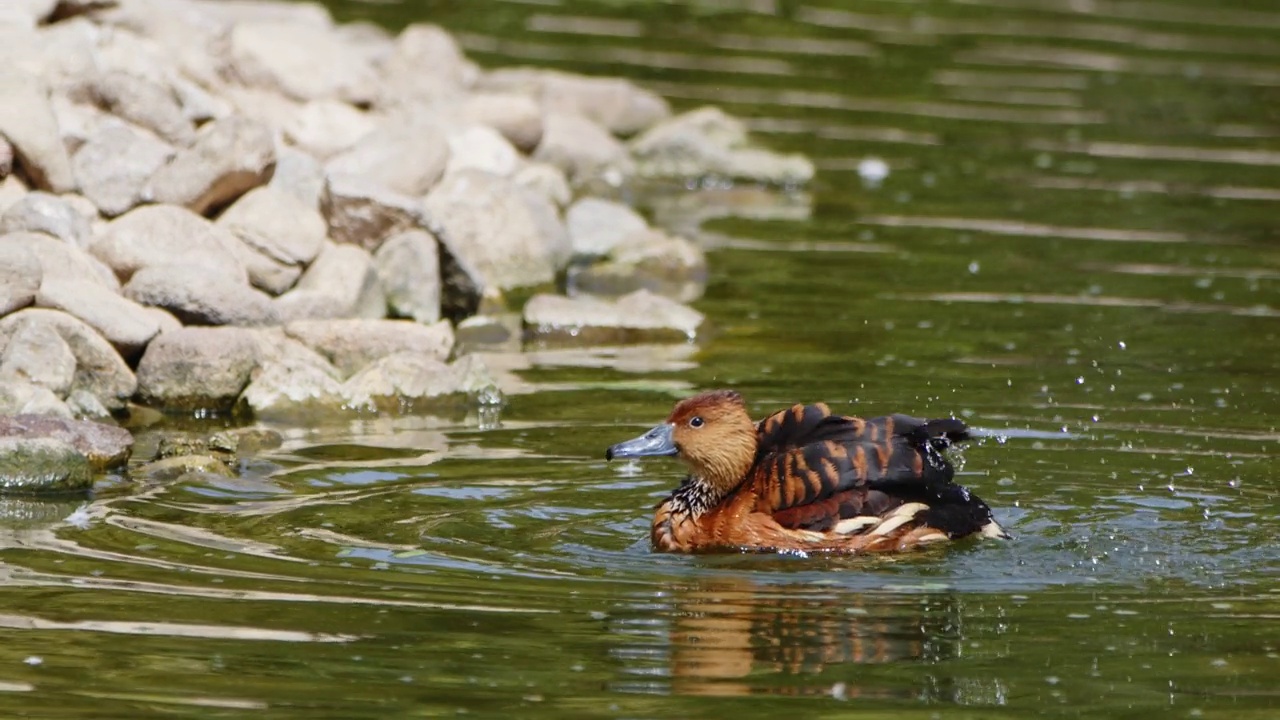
column 814, row 469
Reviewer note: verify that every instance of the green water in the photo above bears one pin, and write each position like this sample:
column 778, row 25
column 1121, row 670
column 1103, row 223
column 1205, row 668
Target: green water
column 1076, row 249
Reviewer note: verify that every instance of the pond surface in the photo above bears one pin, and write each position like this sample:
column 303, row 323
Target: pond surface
column 1076, row 249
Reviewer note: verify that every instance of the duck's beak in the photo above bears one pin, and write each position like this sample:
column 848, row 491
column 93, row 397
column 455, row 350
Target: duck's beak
column 656, row 442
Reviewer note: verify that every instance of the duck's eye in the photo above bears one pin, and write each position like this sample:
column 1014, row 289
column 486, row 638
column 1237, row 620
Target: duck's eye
column 695, row 421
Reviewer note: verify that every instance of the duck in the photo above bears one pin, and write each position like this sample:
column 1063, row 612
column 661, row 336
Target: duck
column 806, row 480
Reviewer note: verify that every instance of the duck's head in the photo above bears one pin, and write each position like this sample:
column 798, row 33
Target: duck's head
column 711, row 432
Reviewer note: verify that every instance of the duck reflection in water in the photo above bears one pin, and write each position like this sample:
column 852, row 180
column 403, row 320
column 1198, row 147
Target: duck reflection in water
column 731, row 637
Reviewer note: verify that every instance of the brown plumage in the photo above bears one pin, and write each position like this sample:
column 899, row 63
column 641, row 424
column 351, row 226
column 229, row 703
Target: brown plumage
column 805, row 479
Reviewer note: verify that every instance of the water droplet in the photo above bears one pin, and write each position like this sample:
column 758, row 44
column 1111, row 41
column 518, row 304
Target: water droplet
column 974, row 267
column 873, row 171
column 1123, row 345
column 34, row 660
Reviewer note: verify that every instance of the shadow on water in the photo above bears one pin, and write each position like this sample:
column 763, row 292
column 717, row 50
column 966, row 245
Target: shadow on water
column 1068, row 240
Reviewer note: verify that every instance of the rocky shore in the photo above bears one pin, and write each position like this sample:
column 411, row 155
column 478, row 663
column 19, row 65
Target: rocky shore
column 216, row 206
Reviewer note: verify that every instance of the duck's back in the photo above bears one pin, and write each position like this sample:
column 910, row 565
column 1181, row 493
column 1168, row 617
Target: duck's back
column 825, row 473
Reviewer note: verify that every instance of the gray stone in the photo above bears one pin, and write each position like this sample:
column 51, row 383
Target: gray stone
column 104, row 446
column 196, row 298
column 23, row 398
column 324, row 128
column 305, row 62
column 144, row 103
column 99, row 368
column 57, row 259
column 482, row 148
column 38, row 355
column 30, row 466
column 639, row 317
column 49, row 214
column 77, row 121
column 164, row 234
column 115, row 163
column 398, row 380
column 265, row 272
column 649, row 260
column 517, row 117
column 583, row 149
column 545, row 180
column 86, row 406
column 707, row 142
column 172, row 468
column 497, row 230
column 28, row 123
column 291, row 390
column 275, row 346
column 352, row 344
column 198, row 105
column 408, row 265
column 196, row 369
column 228, row 158
column 361, row 212
column 403, row 156
column 20, row 275
column 276, row 224
column 618, row 105
column 345, row 275
column 425, row 68
column 597, row 226
column 121, row 321
column 300, row 175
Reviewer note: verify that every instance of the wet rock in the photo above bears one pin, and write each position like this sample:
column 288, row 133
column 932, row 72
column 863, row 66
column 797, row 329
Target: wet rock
column 402, row 156
column 517, row 117
column 28, row 123
column 425, row 68
column 23, row 398
column 164, row 234
column 305, row 62
column 172, row 468
column 20, row 274
column 583, row 149
column 142, row 102
column 618, row 105
column 545, row 180
column 496, row 332
column 57, row 259
column 104, row 446
column 115, row 163
column 196, row 298
column 597, row 226
column 228, row 158
column 408, row 266
column 361, row 212
column 324, row 128
column 352, row 344
column 37, row 354
column 99, row 368
column 649, row 260
column 197, row 368
column 707, row 142
column 245, row 442
column 340, row 283
column 121, row 321
column 397, row 380
column 482, row 148
column 498, row 230
column 276, row 224
column 291, row 390
column 638, row 317
column 31, row 466
column 49, row 214
column 299, row 175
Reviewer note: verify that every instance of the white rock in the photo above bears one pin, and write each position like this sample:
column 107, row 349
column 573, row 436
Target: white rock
column 352, row 344
column 99, row 368
column 639, row 316
column 403, row 156
column 121, row 321
column 482, row 148
column 115, row 163
column 545, row 180
column 706, row 142
column 277, row 224
column 228, row 158
column 584, row 149
column 517, row 117
column 362, row 212
column 144, row 103
column 197, row 368
column 57, row 259
column 28, row 123
column 425, row 68
column 196, row 298
column 49, row 214
column 597, row 226
column 618, row 105
column 340, row 283
column 37, row 354
column 324, row 128
column 20, row 275
column 304, row 62
column 164, row 234
column 408, row 265
column 300, row 175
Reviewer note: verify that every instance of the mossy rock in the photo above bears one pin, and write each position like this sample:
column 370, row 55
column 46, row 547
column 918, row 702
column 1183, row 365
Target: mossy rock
column 31, row 466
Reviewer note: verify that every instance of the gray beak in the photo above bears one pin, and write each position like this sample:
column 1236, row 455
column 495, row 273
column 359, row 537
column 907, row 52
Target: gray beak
column 656, row 442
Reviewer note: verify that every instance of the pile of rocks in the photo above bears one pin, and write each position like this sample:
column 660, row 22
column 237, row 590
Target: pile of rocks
column 208, row 204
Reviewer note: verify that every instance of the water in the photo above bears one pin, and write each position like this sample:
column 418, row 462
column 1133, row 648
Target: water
column 1074, row 249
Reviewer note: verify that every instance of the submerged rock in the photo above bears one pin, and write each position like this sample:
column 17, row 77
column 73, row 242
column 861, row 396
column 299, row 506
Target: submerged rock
column 638, row 317
column 649, row 260
column 31, row 466
column 104, row 446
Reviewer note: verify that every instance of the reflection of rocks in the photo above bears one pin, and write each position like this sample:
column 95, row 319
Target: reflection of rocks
column 707, row 142
column 649, row 260
column 638, row 317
